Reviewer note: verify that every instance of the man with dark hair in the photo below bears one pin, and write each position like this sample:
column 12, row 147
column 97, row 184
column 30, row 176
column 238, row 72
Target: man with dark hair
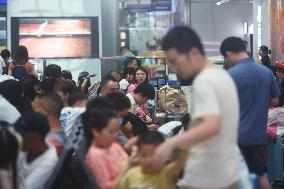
column 213, row 161
column 258, row 90
column 52, row 71
column 50, row 105
column 5, row 55
column 36, row 165
column 63, row 88
column 108, row 85
column 120, row 103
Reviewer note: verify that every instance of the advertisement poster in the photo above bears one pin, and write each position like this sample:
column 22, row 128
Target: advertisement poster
column 133, row 6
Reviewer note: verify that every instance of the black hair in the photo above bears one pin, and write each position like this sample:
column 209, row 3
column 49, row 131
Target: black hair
column 111, row 74
column 265, row 49
column 28, row 84
column 21, row 56
column 152, row 137
column 129, row 61
column 146, row 90
column 122, row 48
column 66, row 74
column 75, row 97
column 64, row 85
column 95, row 118
column 183, row 39
column 53, row 102
column 234, row 45
column 12, row 91
column 5, row 53
column 9, row 149
column 46, row 85
column 104, row 82
column 143, row 70
column 126, row 72
column 52, row 71
column 99, row 102
column 120, row 101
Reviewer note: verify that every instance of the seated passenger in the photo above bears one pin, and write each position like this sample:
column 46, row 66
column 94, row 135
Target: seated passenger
column 106, row 159
column 39, row 159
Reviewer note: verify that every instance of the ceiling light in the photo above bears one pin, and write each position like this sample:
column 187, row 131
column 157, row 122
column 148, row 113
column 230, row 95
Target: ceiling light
column 222, row 2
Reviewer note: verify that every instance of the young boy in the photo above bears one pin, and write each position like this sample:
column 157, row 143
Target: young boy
column 143, row 176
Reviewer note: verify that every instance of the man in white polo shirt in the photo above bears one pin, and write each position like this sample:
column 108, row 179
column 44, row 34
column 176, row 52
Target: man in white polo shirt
column 212, row 138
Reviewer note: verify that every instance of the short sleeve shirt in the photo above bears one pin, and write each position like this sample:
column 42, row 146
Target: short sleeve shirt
column 256, row 87
column 214, row 94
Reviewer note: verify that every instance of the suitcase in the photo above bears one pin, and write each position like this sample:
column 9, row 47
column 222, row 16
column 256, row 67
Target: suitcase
column 275, row 160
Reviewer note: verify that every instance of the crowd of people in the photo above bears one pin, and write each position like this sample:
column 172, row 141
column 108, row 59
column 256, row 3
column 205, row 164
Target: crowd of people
column 111, row 124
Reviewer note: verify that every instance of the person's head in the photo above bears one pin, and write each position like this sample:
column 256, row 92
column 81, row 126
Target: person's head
column 77, row 99
column 132, row 62
column 12, row 91
column 66, row 74
column 30, row 86
column 263, row 51
column 100, row 127
column 143, row 93
column 114, row 74
column 184, row 52
column 49, row 104
column 10, row 143
column 140, row 75
column 147, row 145
column 33, row 128
column 5, row 54
column 108, row 85
column 233, row 49
column 52, row 71
column 123, row 50
column 63, row 88
column 120, row 102
column 21, row 56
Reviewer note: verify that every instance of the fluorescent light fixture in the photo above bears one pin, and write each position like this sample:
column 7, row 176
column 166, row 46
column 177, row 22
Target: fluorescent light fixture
column 245, row 28
column 222, row 2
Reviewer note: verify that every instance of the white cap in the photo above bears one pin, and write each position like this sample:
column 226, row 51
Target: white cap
column 8, row 112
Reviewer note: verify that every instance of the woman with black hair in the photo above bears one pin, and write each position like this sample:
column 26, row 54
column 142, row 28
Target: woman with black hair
column 140, row 76
column 106, row 159
column 265, row 59
column 20, row 65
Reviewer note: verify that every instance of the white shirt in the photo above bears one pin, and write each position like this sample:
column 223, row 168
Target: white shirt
column 133, row 108
column 70, row 117
column 214, row 163
column 8, row 112
column 38, row 171
column 123, row 84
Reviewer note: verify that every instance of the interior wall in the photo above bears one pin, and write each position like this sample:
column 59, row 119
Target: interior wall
column 60, row 8
column 215, row 23
column 110, row 33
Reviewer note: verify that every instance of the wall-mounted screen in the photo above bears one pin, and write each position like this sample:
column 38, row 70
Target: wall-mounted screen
column 57, row 37
column 3, row 2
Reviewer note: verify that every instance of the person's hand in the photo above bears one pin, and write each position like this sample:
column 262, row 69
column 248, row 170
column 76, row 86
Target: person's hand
column 153, row 127
column 130, row 143
column 162, row 154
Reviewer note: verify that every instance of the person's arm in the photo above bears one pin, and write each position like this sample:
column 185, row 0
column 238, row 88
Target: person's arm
column 178, row 164
column 94, row 85
column 208, row 127
column 109, row 58
column 206, row 123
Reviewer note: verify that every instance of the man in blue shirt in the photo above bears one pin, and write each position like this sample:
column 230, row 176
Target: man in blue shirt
column 258, row 90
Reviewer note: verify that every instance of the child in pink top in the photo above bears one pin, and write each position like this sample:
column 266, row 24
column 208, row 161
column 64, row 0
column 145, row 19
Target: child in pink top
column 106, row 160
column 140, row 76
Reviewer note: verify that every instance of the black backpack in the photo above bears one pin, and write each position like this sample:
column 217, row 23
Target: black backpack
column 19, row 72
